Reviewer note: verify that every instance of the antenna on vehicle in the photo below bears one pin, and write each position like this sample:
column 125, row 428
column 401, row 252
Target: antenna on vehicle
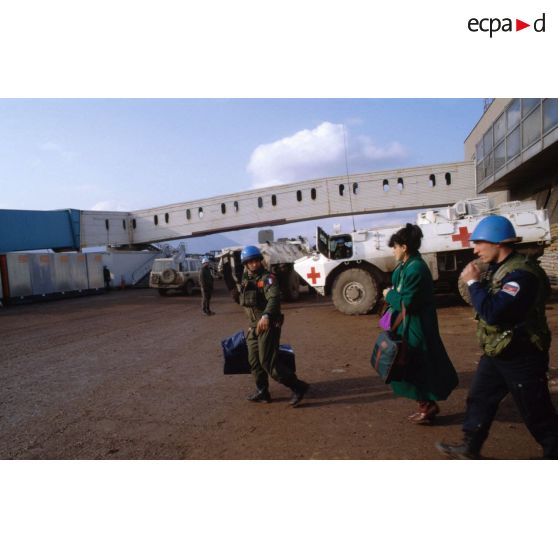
column 347, row 172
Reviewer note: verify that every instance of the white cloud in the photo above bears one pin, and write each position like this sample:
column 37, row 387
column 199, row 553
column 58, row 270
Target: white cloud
column 316, row 153
column 108, row 205
column 367, row 150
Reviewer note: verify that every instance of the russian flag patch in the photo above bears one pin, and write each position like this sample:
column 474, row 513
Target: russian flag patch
column 512, row 288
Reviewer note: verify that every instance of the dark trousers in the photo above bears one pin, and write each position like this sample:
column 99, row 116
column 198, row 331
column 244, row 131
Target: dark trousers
column 525, row 378
column 262, row 356
column 206, row 298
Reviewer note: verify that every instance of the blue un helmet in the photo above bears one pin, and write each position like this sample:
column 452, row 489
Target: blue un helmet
column 495, row 229
column 205, row 260
column 250, row 253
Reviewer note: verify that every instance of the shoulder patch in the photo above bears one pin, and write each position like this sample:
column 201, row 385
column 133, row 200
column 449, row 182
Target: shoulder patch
column 512, row 288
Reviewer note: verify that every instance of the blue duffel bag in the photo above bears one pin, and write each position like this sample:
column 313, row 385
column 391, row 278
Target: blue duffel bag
column 286, row 360
column 235, row 352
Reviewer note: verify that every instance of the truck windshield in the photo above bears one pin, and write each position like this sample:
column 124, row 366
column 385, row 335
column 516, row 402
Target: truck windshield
column 341, row 247
column 338, row 247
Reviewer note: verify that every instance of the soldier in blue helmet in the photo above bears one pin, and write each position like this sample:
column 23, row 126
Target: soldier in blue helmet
column 515, row 339
column 206, row 282
column 260, row 297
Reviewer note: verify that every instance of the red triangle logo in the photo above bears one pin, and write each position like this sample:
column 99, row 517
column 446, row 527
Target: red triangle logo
column 519, row 25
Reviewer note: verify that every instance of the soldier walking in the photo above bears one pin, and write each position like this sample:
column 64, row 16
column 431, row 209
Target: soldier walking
column 260, row 297
column 514, row 337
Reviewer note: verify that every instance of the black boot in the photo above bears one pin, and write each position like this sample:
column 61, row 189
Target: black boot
column 467, row 449
column 299, row 391
column 260, row 397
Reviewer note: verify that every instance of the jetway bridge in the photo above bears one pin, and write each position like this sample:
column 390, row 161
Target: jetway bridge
column 375, row 192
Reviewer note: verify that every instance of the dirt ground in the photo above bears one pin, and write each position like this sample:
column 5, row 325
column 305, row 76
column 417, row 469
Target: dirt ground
column 132, row 375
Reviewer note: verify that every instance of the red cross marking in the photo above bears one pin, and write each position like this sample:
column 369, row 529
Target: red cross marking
column 463, row 236
column 313, row 275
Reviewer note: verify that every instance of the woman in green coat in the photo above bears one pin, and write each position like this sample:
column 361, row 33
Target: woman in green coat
column 433, row 376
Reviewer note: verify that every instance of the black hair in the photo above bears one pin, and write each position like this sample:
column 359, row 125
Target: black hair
column 409, row 236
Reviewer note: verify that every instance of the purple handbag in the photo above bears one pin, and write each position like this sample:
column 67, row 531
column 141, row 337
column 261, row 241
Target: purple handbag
column 385, row 320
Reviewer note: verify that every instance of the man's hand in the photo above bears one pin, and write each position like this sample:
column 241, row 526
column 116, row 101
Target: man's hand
column 471, row 271
column 386, row 291
column 262, row 325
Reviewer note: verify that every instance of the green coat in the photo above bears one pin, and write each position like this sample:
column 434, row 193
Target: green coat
column 435, row 375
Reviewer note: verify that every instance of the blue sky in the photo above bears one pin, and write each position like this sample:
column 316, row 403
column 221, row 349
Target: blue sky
column 126, row 154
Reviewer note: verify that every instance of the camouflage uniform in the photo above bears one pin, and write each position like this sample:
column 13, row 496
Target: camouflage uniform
column 259, row 295
column 206, row 282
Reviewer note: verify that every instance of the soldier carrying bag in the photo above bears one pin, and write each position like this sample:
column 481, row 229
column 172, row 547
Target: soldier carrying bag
column 235, row 353
column 390, row 356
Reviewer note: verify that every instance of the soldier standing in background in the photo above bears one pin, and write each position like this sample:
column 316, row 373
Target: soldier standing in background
column 206, row 282
column 106, row 277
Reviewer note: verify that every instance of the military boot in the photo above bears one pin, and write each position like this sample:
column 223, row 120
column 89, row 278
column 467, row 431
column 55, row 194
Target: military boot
column 467, row 449
column 260, row 397
column 299, row 391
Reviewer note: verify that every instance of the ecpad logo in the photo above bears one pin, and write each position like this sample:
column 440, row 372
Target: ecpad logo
column 493, row 25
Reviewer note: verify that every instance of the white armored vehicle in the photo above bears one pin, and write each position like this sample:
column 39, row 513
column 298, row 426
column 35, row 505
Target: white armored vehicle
column 354, row 267
column 279, row 257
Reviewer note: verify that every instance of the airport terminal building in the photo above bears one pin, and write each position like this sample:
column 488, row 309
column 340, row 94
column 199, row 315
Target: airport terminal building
column 515, row 148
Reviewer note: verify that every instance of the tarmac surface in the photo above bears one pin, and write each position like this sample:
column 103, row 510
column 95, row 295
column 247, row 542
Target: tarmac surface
column 132, row 375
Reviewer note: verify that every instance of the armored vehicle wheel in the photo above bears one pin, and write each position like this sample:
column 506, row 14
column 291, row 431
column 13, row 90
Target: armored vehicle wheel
column 189, row 287
column 462, row 285
column 292, row 285
column 355, row 291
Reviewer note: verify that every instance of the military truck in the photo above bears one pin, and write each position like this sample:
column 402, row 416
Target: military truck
column 354, row 267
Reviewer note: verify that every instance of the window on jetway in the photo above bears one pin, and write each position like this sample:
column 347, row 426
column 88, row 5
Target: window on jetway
column 313, row 193
column 188, row 214
column 156, row 219
column 166, row 217
column 260, row 202
column 448, row 178
column 133, row 223
column 273, row 199
column 223, row 208
column 386, row 185
column 400, row 184
column 341, row 189
column 432, row 181
column 235, row 206
column 107, row 224
column 355, row 188
column 200, row 212
column 299, row 195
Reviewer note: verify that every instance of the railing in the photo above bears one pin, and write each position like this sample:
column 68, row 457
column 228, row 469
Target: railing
column 139, row 273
